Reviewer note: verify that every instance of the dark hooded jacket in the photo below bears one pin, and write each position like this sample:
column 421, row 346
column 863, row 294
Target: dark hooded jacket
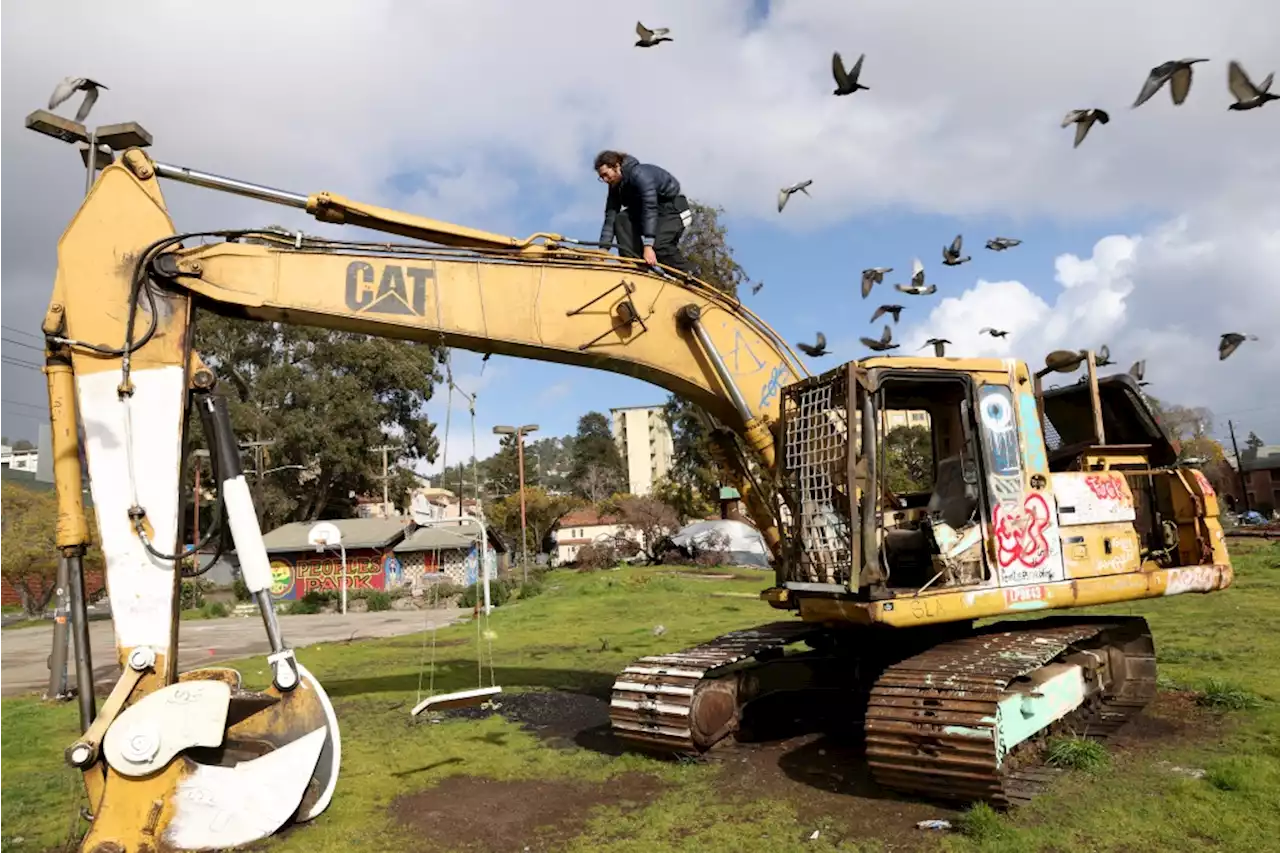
column 643, row 187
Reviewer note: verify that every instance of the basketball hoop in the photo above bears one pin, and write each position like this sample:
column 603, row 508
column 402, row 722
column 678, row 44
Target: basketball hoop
column 325, row 534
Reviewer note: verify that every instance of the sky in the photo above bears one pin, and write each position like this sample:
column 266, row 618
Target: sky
column 1155, row 236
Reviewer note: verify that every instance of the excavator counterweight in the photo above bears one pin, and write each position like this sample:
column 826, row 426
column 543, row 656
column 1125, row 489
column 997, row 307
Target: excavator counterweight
column 1029, row 499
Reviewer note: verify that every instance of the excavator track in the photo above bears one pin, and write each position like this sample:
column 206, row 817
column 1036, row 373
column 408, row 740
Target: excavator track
column 944, row 723
column 685, row 701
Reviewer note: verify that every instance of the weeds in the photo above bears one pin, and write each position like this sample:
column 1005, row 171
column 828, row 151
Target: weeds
column 1225, row 696
column 1077, row 753
column 981, row 823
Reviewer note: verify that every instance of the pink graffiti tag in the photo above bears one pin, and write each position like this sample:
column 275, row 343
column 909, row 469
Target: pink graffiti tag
column 1019, row 532
column 1107, row 488
column 1205, row 488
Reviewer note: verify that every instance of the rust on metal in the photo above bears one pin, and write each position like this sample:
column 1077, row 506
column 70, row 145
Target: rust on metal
column 685, row 701
column 931, row 726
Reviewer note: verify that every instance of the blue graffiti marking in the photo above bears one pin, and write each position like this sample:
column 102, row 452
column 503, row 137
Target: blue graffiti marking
column 1029, row 420
column 995, row 408
column 739, row 345
column 773, row 386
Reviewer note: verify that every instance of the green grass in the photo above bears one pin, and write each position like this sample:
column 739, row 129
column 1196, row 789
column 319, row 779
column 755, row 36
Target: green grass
column 1077, row 753
column 583, row 628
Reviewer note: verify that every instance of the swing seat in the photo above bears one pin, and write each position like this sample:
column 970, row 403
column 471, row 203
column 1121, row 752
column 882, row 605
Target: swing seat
column 457, row 699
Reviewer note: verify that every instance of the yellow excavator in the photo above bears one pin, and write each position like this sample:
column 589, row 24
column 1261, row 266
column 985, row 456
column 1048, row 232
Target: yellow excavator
column 1037, row 500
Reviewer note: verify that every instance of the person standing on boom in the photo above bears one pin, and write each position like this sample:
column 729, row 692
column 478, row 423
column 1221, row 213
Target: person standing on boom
column 644, row 210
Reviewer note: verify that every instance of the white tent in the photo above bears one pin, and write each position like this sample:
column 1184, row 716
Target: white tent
column 746, row 545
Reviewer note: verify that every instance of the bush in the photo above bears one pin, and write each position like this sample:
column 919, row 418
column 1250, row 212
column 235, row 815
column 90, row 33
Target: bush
column 499, row 593
column 596, row 556
column 214, row 610
column 191, row 595
column 311, row 603
column 241, row 590
column 533, row 587
column 378, row 600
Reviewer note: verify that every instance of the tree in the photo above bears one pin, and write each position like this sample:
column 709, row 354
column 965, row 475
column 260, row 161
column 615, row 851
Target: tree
column 694, row 476
column 502, row 470
column 705, row 244
column 325, row 398
column 594, row 445
column 542, row 511
column 1191, row 428
column 1253, row 442
column 649, row 519
column 688, row 503
column 598, row 482
column 908, row 459
column 29, row 558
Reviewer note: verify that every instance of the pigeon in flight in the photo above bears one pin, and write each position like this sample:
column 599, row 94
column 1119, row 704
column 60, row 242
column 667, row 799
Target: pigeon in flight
column 785, row 193
column 648, row 37
column 995, row 333
column 917, row 287
column 69, row 86
column 951, row 254
column 1247, row 95
column 939, row 346
column 846, row 81
column 895, row 310
column 1231, row 342
column 882, row 345
column 1103, row 357
column 755, row 288
column 1177, row 73
column 815, row 350
column 872, row 277
column 999, row 244
column 1139, row 370
column 1083, row 120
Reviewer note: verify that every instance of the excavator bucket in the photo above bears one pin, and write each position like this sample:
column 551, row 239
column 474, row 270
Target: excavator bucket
column 215, row 766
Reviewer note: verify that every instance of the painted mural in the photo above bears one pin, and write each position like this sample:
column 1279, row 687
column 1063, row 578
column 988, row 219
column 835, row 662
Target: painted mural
column 1023, row 520
column 293, row 576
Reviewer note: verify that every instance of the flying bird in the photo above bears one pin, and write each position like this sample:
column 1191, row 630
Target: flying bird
column 882, row 345
column 1177, row 73
column 939, row 346
column 1231, row 342
column 1247, row 95
column 995, row 333
column 1139, row 370
column 785, row 193
column 999, row 244
column 1083, row 120
column 951, row 254
column 1103, row 357
column 872, row 277
column 846, row 81
column 69, row 86
column 917, row 287
column 755, row 288
column 895, row 310
column 648, row 37
column 815, row 350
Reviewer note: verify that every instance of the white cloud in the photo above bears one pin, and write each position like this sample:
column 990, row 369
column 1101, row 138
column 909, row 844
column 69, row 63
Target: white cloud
column 961, row 118
column 1165, row 296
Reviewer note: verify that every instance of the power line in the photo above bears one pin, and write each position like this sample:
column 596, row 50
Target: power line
column 30, row 365
column 38, row 408
column 23, row 344
column 22, row 332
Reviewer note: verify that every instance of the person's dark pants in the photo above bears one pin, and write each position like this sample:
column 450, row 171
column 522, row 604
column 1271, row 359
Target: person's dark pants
column 666, row 239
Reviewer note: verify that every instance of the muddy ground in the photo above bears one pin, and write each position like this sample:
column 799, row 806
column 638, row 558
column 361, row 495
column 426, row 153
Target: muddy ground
column 824, row 776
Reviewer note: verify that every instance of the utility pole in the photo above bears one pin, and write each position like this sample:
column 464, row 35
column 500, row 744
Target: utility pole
column 386, row 477
column 1244, row 485
column 519, row 433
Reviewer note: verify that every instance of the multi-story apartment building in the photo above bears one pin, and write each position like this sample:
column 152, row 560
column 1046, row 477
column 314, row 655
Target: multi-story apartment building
column 644, row 440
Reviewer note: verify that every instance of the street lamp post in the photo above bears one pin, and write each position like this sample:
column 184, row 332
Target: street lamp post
column 520, row 433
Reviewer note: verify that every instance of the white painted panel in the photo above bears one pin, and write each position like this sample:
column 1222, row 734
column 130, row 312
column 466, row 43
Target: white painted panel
column 1095, row 497
column 140, row 585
